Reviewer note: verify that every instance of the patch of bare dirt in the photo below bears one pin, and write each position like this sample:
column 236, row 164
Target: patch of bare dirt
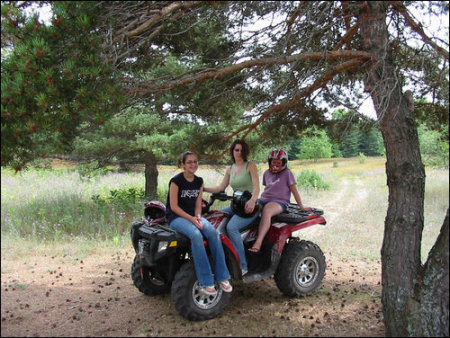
column 95, row 296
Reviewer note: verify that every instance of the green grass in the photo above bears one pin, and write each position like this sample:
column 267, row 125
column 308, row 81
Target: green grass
column 56, row 210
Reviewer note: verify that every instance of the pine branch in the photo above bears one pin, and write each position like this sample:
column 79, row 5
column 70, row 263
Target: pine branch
column 400, row 7
column 214, row 74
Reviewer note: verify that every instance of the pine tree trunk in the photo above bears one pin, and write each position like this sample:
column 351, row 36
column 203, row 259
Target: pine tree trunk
column 151, row 176
column 433, row 292
column 413, row 300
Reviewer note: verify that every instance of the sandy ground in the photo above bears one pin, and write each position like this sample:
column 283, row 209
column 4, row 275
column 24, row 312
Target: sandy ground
column 94, row 296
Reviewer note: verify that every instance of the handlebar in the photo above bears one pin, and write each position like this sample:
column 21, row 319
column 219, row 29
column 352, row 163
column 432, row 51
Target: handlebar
column 221, row 196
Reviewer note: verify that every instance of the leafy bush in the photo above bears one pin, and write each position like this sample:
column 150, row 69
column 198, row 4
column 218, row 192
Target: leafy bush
column 362, row 158
column 90, row 170
column 315, row 145
column 120, row 197
column 433, row 147
column 312, row 179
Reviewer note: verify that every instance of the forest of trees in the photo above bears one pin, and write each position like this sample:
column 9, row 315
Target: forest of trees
column 139, row 82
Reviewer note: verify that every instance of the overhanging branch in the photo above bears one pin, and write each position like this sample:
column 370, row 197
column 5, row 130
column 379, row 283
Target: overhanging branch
column 320, row 82
column 400, row 7
column 158, row 16
column 146, row 89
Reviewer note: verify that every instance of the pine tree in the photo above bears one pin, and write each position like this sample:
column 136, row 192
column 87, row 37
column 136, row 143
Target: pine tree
column 53, row 79
column 350, row 142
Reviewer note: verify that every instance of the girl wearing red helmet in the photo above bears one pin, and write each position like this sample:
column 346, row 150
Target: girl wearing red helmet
column 279, row 183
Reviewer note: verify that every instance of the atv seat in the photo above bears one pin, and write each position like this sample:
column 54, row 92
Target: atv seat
column 294, row 214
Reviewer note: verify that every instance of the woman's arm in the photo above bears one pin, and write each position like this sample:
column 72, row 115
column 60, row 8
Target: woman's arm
column 223, row 185
column 198, row 209
column 296, row 194
column 253, row 171
column 198, row 203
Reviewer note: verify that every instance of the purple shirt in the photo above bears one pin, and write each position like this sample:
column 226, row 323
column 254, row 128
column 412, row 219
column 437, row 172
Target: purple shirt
column 277, row 186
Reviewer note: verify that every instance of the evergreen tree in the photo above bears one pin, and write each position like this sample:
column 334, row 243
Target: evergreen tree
column 293, row 149
column 52, row 79
column 350, row 142
column 131, row 136
column 371, row 143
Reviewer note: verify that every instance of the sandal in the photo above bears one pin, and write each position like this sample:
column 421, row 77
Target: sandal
column 208, row 290
column 226, row 286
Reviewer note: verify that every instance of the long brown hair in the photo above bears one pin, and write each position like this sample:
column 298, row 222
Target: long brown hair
column 245, row 149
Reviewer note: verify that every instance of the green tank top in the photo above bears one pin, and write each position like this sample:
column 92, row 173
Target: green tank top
column 243, row 181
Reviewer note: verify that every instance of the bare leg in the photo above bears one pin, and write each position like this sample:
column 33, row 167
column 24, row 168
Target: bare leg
column 270, row 209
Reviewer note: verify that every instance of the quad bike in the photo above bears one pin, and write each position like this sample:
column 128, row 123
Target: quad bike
column 164, row 262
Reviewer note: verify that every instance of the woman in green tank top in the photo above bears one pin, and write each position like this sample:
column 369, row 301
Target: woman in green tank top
column 243, row 180
column 241, row 175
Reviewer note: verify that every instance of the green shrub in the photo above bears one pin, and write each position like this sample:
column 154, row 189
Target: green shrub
column 120, row 197
column 362, row 158
column 433, row 147
column 312, row 179
column 316, row 144
column 90, row 170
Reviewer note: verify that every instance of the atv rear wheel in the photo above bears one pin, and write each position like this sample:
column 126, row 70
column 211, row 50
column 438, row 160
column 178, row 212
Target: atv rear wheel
column 190, row 302
column 301, row 269
column 150, row 283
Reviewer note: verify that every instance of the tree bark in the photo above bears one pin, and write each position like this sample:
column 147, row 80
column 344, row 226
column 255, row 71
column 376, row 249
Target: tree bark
column 433, row 292
column 411, row 298
column 151, row 176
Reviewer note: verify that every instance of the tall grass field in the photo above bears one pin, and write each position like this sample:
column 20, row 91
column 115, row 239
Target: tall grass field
column 59, row 206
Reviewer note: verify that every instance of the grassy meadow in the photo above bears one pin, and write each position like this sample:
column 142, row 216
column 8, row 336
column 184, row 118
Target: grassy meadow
column 44, row 209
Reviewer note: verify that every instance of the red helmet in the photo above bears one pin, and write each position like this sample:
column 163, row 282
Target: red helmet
column 277, row 154
column 154, row 212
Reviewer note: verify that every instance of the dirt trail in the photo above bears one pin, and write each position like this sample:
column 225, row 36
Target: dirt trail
column 94, row 296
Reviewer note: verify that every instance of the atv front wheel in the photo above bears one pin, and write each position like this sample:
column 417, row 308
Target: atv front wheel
column 190, row 302
column 301, row 269
column 149, row 283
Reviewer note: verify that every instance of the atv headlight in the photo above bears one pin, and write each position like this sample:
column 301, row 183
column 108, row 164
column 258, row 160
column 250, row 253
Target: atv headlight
column 162, row 246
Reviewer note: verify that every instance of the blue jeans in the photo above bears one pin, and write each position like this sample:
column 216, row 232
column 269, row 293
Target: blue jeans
column 201, row 261
column 234, row 225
